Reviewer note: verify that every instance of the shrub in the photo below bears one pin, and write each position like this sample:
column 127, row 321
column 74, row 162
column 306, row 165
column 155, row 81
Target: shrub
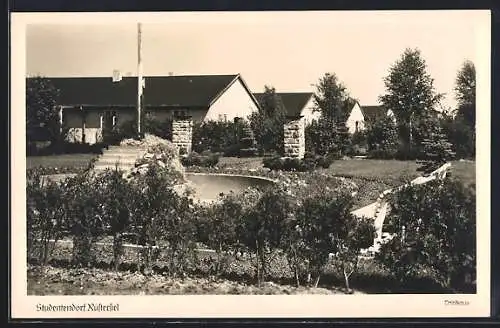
column 264, row 226
column 308, row 163
column 195, row 159
column 45, row 216
column 382, row 138
column 117, row 207
column 164, row 221
column 324, row 225
column 434, row 233
column 221, row 223
column 83, row 209
column 216, row 136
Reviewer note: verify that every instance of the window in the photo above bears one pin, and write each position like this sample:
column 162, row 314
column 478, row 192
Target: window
column 357, row 126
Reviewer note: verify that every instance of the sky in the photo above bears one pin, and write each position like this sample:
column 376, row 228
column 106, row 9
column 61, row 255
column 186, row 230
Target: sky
column 287, row 50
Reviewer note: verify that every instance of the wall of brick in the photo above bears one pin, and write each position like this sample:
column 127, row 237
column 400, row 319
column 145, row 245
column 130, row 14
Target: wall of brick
column 294, row 138
column 182, row 134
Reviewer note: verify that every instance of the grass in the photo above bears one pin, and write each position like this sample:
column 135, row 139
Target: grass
column 367, row 168
column 370, row 175
column 388, row 170
column 59, row 161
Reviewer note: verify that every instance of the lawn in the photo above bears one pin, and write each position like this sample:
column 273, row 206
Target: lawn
column 388, row 170
column 372, row 169
column 59, row 161
column 370, row 175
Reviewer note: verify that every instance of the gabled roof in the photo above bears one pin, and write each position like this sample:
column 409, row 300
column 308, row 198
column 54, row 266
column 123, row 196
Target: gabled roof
column 294, row 102
column 373, row 113
column 160, row 91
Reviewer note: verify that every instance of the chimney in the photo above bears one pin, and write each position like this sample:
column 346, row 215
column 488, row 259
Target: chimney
column 170, row 73
column 117, row 76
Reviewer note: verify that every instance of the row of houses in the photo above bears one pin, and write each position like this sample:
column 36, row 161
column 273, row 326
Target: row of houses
column 89, row 105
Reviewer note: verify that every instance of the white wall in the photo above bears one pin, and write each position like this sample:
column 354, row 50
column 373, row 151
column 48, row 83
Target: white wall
column 235, row 102
column 355, row 116
column 390, row 113
column 309, row 113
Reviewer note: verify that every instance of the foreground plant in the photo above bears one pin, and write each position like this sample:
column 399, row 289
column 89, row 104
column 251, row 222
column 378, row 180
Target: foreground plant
column 84, row 211
column 45, row 216
column 264, row 228
column 434, row 227
column 324, row 225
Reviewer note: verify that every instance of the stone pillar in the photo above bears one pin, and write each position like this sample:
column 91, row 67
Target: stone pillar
column 182, row 134
column 294, row 138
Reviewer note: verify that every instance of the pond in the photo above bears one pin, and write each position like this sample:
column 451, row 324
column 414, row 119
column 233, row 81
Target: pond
column 208, row 186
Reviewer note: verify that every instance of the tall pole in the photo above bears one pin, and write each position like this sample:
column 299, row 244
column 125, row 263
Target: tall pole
column 140, row 82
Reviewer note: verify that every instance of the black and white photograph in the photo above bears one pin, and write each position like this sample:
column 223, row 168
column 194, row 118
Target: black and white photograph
column 340, row 157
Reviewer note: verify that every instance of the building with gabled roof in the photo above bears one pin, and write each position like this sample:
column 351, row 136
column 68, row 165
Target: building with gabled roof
column 360, row 116
column 296, row 104
column 88, row 105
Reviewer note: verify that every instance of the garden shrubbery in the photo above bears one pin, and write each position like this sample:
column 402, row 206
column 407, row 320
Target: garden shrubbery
column 309, row 163
column 434, row 229
column 229, row 138
column 277, row 233
column 206, row 159
column 263, row 224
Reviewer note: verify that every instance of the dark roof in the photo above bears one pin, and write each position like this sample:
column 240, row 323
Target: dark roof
column 294, row 102
column 166, row 91
column 372, row 113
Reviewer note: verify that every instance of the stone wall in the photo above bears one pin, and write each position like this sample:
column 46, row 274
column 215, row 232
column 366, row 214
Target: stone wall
column 294, row 138
column 182, row 134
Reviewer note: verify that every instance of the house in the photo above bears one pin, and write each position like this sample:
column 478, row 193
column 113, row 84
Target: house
column 361, row 116
column 89, row 105
column 297, row 104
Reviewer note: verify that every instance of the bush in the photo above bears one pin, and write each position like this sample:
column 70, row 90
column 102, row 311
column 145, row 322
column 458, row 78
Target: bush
column 264, row 226
column 247, row 152
column 215, row 136
column 308, row 163
column 165, row 222
column 434, row 233
column 83, row 209
column 322, row 225
column 46, row 218
column 195, row 159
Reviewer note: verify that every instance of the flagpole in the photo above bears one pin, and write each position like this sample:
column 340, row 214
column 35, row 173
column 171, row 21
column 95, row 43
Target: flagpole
column 140, row 81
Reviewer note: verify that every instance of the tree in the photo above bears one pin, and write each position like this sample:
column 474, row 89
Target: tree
column 332, row 99
column 433, row 225
column 267, row 123
column 322, row 138
column 41, row 112
column 465, row 91
column 382, row 138
column 436, row 148
column 410, row 93
column 460, row 134
column 461, row 127
column 329, row 134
